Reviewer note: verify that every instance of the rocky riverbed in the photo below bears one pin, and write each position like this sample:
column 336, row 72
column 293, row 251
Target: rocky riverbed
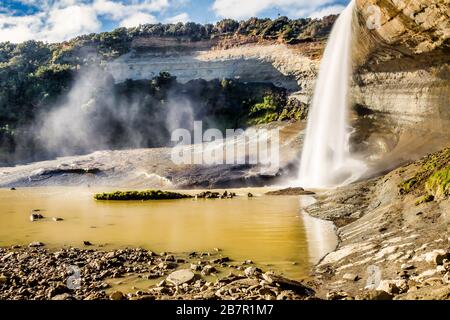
column 80, row 274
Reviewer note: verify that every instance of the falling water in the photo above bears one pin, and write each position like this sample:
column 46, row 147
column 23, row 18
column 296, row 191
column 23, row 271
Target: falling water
column 326, row 159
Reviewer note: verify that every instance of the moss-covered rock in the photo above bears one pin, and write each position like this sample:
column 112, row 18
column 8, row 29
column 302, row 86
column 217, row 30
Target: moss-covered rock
column 432, row 175
column 425, row 199
column 438, row 184
column 140, row 195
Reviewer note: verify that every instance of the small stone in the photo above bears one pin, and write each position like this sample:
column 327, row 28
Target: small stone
column 36, row 216
column 64, row 296
column 252, row 271
column 439, row 259
column 87, row 243
column 117, row 295
column 407, row 266
column 196, row 267
column 250, row 195
column 350, row 277
column 377, row 295
column 56, row 219
column 391, row 287
column 247, row 262
column 161, row 283
column 221, row 260
column 207, row 270
column 36, row 244
column 336, row 295
column 181, row 276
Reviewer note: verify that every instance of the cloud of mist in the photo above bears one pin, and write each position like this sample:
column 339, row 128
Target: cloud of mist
column 93, row 118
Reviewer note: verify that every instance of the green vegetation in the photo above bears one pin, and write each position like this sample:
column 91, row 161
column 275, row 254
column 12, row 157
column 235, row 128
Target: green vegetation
column 439, row 183
column 432, row 178
column 140, row 195
column 425, row 199
column 276, row 107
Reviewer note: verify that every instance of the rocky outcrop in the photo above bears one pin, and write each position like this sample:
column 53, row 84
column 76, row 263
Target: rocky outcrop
column 273, row 63
column 402, row 61
column 389, row 241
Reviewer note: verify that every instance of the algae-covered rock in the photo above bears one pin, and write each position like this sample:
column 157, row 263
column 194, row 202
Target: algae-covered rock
column 140, row 195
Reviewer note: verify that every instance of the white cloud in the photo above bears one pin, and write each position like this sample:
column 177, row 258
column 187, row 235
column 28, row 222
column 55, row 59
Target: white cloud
column 59, row 20
column 137, row 19
column 183, row 17
column 241, row 9
column 326, row 11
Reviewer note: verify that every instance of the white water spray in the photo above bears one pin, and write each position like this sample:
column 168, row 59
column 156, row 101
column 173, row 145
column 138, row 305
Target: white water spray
column 326, row 160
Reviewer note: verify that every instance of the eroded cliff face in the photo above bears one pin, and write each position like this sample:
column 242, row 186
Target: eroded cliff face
column 402, row 61
column 279, row 64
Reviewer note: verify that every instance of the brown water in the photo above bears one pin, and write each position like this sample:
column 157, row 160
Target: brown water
column 272, row 231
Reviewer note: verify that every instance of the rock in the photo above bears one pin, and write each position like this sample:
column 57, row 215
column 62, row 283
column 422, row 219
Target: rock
column 87, row 243
column 350, row 277
column 36, row 244
column 252, row 271
column 407, row 266
column 266, row 291
column 439, row 258
column 169, row 258
column 221, row 260
column 13, row 189
column 196, row 267
column 56, row 219
column 64, row 296
column 36, row 216
column 247, row 262
column 181, row 276
column 3, row 279
column 377, row 295
column 167, row 265
column 250, row 195
column 392, row 286
column 208, row 269
column 287, row 284
column 117, row 295
column 337, row 295
column 435, row 256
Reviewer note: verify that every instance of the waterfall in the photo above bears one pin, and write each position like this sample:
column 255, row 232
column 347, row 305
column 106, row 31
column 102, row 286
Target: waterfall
column 326, row 159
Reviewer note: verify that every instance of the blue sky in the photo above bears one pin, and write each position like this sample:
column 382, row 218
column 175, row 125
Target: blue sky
column 59, row 20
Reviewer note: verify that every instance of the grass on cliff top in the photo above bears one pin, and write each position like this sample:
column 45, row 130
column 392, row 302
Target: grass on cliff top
column 432, row 176
column 140, row 195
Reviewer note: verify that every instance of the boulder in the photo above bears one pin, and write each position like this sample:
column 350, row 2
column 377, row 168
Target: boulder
column 180, row 277
column 287, row 284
